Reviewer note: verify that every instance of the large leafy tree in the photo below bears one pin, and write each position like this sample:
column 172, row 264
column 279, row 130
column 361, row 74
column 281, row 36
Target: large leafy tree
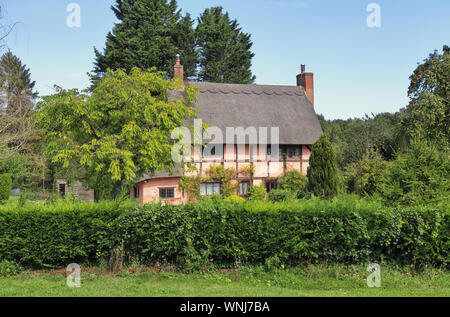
column 428, row 114
column 225, row 51
column 118, row 132
column 149, row 34
column 322, row 171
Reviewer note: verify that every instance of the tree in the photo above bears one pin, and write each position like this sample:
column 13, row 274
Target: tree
column 225, row 51
column 118, row 132
column 322, row 171
column 363, row 177
column 419, row 176
column 16, row 105
column 150, row 34
column 428, row 113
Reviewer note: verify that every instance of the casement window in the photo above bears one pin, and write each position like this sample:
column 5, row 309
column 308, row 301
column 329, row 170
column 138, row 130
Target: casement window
column 293, row 151
column 243, row 188
column 290, row 151
column 271, row 185
column 209, row 189
column 212, row 150
column 167, row 193
column 136, row 191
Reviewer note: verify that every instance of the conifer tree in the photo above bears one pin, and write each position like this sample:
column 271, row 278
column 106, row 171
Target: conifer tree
column 322, row 171
column 225, row 51
column 150, row 34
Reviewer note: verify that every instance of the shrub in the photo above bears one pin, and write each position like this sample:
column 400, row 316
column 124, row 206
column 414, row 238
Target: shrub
column 322, row 172
column 235, row 198
column 278, row 195
column 418, row 177
column 295, row 182
column 5, row 187
column 9, row 268
column 363, row 177
column 256, row 193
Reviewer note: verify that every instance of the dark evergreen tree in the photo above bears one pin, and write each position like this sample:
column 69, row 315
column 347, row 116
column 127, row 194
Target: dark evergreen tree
column 15, row 77
column 225, row 51
column 150, row 34
column 322, row 171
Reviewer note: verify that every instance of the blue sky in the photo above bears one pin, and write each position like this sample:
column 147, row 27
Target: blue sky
column 358, row 70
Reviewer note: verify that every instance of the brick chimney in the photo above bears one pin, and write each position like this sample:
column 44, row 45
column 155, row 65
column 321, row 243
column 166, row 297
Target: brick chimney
column 306, row 80
column 178, row 70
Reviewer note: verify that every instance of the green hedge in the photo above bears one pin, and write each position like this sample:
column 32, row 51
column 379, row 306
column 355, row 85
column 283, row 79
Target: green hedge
column 225, row 232
column 5, row 187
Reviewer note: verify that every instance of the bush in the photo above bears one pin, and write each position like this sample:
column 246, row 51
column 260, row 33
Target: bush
column 363, row 177
column 193, row 236
column 418, row 177
column 235, row 198
column 9, row 268
column 278, row 195
column 322, row 172
column 256, row 193
column 5, row 187
column 294, row 181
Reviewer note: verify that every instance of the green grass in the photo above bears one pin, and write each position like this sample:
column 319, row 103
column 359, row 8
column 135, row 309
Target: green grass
column 315, row 280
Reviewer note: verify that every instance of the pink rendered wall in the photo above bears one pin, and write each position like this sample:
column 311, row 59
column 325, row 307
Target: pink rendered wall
column 149, row 190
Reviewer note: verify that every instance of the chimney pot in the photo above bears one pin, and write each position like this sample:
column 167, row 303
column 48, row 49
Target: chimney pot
column 306, row 80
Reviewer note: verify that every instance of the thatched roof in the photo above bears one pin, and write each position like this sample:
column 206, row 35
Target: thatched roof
column 234, row 105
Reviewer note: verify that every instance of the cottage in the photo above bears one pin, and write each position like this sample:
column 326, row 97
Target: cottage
column 288, row 108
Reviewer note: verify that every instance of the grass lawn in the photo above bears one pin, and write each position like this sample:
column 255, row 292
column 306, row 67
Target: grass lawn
column 314, row 280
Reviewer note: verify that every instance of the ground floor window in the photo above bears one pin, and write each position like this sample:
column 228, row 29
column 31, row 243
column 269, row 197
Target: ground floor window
column 209, row 189
column 136, row 191
column 243, row 188
column 270, row 185
column 167, row 193
column 62, row 189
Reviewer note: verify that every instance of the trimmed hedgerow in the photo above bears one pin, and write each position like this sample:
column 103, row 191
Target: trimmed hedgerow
column 220, row 232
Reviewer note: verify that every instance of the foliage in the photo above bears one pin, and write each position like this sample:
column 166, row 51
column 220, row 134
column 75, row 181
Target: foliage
column 226, row 178
column 19, row 167
column 225, row 51
column 235, row 198
column 344, row 230
column 119, row 132
column 256, row 193
column 353, row 138
column 295, row 182
column 278, row 195
column 217, row 173
column 149, row 35
column 5, row 187
column 428, row 113
column 322, row 171
column 9, row 268
column 16, row 105
column 419, row 176
column 363, row 177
